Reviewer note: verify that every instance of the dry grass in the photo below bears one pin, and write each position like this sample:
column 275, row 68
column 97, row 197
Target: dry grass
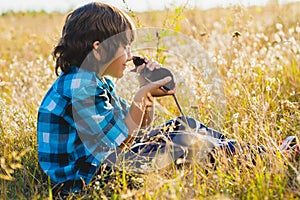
column 260, row 72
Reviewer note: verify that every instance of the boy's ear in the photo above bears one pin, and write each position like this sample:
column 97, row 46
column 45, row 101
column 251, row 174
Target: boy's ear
column 96, row 44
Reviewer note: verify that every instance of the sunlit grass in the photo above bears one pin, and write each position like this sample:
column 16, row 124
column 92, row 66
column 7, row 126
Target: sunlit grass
column 260, row 73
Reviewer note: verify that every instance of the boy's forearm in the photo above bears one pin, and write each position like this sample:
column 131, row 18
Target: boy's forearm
column 143, row 99
column 134, row 121
column 148, row 117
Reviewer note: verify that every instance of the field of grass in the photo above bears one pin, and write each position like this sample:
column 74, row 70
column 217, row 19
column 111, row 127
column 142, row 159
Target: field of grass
column 256, row 52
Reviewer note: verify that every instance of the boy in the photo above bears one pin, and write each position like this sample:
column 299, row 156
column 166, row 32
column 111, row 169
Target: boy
column 81, row 119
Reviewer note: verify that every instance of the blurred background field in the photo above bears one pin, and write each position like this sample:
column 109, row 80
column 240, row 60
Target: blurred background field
column 256, row 51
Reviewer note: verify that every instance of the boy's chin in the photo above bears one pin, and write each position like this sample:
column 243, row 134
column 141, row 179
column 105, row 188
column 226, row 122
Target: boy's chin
column 114, row 75
column 119, row 75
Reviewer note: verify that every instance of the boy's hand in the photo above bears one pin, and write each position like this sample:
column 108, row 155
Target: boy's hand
column 145, row 95
column 151, row 65
column 143, row 102
column 156, row 90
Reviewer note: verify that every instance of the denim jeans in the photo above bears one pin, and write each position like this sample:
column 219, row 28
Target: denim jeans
column 176, row 141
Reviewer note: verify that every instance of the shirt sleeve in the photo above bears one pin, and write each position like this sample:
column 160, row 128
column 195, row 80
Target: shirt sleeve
column 98, row 121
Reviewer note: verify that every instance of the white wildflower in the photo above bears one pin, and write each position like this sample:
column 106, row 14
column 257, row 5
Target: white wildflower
column 278, row 26
column 235, row 125
column 297, row 29
column 236, row 93
column 282, row 120
column 236, row 115
column 277, row 37
column 291, row 30
column 279, row 67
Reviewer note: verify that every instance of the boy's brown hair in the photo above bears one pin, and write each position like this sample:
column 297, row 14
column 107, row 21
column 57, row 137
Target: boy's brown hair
column 87, row 24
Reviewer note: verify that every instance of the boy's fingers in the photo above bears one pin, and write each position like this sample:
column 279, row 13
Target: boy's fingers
column 146, row 59
column 167, row 92
column 152, row 64
column 161, row 82
column 158, row 66
column 140, row 68
column 166, row 79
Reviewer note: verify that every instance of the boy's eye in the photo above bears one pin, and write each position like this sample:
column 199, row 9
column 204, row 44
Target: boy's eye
column 127, row 48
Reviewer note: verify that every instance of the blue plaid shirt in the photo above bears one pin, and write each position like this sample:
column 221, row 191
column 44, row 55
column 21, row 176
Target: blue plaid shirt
column 80, row 121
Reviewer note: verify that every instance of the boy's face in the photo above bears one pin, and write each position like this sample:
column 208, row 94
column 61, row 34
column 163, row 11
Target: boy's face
column 118, row 65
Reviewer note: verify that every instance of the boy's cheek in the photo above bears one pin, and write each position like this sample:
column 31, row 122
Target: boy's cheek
column 96, row 54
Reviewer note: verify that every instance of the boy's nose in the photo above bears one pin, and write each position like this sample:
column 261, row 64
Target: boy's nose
column 129, row 55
